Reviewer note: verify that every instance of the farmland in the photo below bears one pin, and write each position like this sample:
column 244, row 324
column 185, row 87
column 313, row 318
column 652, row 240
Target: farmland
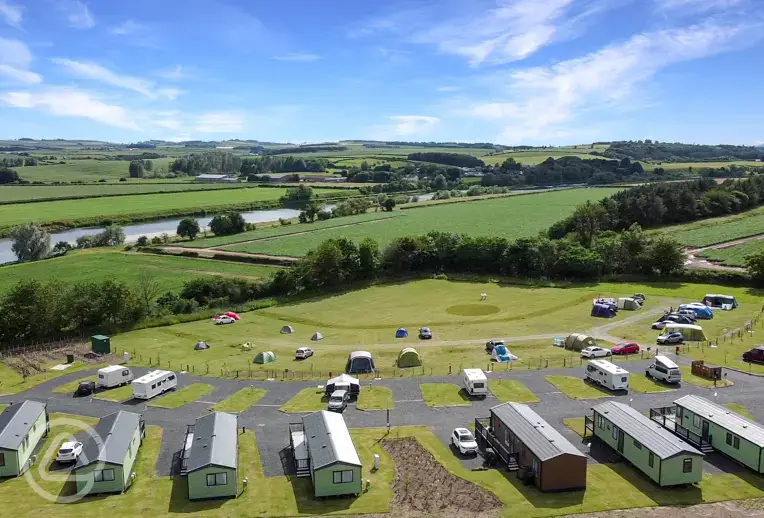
column 87, row 170
column 718, row 230
column 45, row 192
column 735, row 255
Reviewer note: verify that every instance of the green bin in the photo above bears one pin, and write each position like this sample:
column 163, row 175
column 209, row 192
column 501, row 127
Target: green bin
column 69, row 358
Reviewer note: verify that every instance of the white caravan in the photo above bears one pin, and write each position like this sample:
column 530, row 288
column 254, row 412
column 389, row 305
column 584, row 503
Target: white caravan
column 607, row 375
column 114, row 376
column 664, row 369
column 153, row 384
column 475, row 382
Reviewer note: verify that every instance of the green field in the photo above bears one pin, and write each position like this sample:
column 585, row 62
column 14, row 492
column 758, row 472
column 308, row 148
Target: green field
column 17, row 193
column 443, row 394
column 735, row 255
column 86, row 170
column 510, row 217
column 718, row 230
column 240, row 401
column 671, row 166
column 182, row 397
column 101, row 264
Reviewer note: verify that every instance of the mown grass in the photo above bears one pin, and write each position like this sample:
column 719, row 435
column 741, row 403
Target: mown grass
column 375, row 398
column 740, row 409
column 71, row 386
column 117, row 394
column 639, row 383
column 576, row 388
column 11, row 382
column 689, row 377
column 735, row 255
column 240, row 401
column 307, row 400
column 511, row 390
column 43, row 192
column 443, row 394
column 577, row 424
column 718, row 230
column 183, row 396
column 83, row 170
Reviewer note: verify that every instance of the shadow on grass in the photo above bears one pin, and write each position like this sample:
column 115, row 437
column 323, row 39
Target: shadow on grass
column 541, row 500
column 467, row 398
column 179, row 502
column 309, row 504
column 600, row 388
column 675, row 495
column 69, row 489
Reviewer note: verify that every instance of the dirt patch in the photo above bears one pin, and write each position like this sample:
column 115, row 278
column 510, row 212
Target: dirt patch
column 34, row 362
column 472, row 310
column 423, row 487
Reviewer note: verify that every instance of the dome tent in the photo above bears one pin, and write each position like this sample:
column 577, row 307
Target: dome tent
column 628, row 303
column 265, row 357
column 603, row 311
column 201, row 346
column 579, row 341
column 402, row 333
column 317, row 336
column 359, row 361
column 409, row 357
column 287, row 330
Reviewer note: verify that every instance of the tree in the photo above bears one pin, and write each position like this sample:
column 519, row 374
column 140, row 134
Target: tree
column 587, row 220
column 142, row 241
column 228, row 223
column 112, row 235
column 388, row 205
column 439, row 183
column 301, row 193
column 136, row 169
column 148, row 165
column 368, row 255
column 147, row 290
column 8, row 175
column 364, row 166
column 188, row 227
column 30, row 242
column 312, row 210
column 61, row 248
column 665, row 256
column 755, row 265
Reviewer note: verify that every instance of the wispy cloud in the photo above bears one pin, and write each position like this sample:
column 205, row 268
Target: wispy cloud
column 11, row 13
column 127, row 28
column 448, row 88
column 408, row 125
column 297, row 56
column 77, row 14
column 15, row 59
column 96, row 72
column 219, row 122
column 697, row 5
column 176, row 72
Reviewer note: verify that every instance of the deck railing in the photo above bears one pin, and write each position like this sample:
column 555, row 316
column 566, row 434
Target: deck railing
column 484, row 436
column 186, row 452
column 666, row 417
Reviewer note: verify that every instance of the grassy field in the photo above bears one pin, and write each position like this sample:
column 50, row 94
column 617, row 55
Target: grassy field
column 510, row 217
column 673, row 166
column 307, row 400
column 443, row 394
column 100, row 264
column 511, row 390
column 87, row 170
column 240, row 401
column 375, row 398
column 183, row 396
column 577, row 424
column 16, row 193
column 576, row 388
column 735, row 255
column 718, row 230
column 11, row 382
column 117, row 395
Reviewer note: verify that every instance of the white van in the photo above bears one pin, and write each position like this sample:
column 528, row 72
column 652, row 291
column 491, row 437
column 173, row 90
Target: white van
column 114, row 376
column 607, row 375
column 153, row 384
column 664, row 369
column 475, row 382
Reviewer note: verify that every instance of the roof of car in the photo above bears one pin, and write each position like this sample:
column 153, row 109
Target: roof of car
column 462, row 430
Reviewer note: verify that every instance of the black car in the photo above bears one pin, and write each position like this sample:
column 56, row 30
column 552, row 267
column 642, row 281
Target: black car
column 425, row 333
column 86, row 388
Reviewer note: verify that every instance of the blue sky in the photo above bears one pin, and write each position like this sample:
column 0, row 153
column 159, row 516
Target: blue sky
column 506, row 71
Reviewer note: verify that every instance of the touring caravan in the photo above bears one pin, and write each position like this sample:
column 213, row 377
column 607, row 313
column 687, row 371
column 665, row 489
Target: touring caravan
column 154, row 383
column 664, row 369
column 475, row 382
column 607, row 374
column 114, row 376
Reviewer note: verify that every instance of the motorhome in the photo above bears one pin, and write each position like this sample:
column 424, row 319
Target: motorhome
column 664, row 369
column 607, row 375
column 114, row 376
column 726, row 302
column 475, row 382
column 153, row 384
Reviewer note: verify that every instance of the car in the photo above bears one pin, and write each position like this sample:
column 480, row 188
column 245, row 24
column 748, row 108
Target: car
column 224, row 319
column 338, row 401
column 595, row 352
column 626, row 348
column 464, row 441
column 671, row 338
column 302, row 353
column 69, row 451
column 425, row 333
column 493, row 343
column 85, row 388
column 661, row 324
column 755, row 355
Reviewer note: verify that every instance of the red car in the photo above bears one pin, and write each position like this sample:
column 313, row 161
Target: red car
column 626, row 348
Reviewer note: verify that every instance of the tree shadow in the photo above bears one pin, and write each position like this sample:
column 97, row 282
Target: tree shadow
column 286, row 456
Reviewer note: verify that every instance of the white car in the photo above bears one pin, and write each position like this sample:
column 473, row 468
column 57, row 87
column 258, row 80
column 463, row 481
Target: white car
column 464, row 441
column 595, row 352
column 302, row 353
column 224, row 319
column 660, row 325
column 69, row 452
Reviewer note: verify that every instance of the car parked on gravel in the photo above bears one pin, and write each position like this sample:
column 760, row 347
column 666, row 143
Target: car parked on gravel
column 85, row 388
column 670, row 338
column 464, row 441
column 626, row 348
column 69, row 452
column 595, row 352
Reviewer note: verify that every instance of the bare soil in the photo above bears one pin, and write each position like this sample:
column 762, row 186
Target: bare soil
column 33, row 362
column 733, row 509
column 423, row 487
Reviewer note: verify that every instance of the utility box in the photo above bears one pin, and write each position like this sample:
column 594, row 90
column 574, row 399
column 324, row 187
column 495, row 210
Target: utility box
column 69, row 358
column 100, row 344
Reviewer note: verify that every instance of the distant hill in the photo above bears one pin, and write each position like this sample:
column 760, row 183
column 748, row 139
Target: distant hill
column 678, row 152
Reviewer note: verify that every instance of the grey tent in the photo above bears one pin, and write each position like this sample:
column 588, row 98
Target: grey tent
column 629, row 303
column 317, row 336
column 578, row 341
column 359, row 361
column 287, row 330
column 200, row 346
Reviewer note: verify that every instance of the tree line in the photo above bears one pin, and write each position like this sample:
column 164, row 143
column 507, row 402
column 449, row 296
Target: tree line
column 287, row 164
column 454, row 159
column 302, row 149
column 564, row 170
column 678, row 152
column 195, row 164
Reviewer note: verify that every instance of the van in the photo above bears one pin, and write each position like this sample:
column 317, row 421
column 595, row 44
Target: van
column 475, row 382
column 725, row 302
column 664, row 369
column 608, row 375
column 338, row 401
column 153, row 384
column 114, row 376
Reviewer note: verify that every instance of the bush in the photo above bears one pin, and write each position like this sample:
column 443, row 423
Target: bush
column 142, row 241
column 227, row 224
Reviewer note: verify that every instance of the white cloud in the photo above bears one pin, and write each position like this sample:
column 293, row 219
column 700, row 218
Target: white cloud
column 127, row 28
column 15, row 59
column 413, row 124
column 77, row 14
column 67, row 102
column 176, row 72
column 297, row 56
column 219, row 122
column 697, row 5
column 448, row 88
column 93, row 71
column 11, row 13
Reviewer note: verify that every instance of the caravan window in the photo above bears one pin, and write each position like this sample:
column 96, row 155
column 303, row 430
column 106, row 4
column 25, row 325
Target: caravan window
column 651, row 460
column 342, row 477
column 478, row 384
column 615, row 432
column 623, row 379
column 104, row 475
column 736, row 443
column 687, row 466
column 696, row 421
column 100, row 376
column 590, row 368
column 125, row 372
column 172, row 377
column 154, row 386
column 2, row 459
column 600, row 421
column 217, row 479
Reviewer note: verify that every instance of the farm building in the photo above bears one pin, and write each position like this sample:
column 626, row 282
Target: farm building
column 714, row 427
column 323, row 449
column 210, row 457
column 216, row 178
column 665, row 458
column 21, row 428
column 532, row 447
column 112, row 450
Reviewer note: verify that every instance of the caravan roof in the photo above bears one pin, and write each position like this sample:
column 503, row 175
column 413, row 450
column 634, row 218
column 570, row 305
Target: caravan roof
column 474, row 374
column 665, row 361
column 110, row 368
column 151, row 376
column 608, row 366
column 724, row 417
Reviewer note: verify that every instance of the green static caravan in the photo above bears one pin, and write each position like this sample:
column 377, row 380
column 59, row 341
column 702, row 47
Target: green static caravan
column 649, row 447
column 726, row 431
column 335, row 467
column 107, row 459
column 210, row 457
column 21, row 428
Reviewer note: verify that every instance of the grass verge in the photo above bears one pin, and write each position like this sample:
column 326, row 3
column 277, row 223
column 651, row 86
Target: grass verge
column 11, row 382
column 117, row 395
column 240, row 401
column 375, row 398
column 740, row 409
column 576, row 424
column 443, row 394
column 183, row 396
column 307, row 400
column 576, row 388
column 645, row 385
column 511, row 390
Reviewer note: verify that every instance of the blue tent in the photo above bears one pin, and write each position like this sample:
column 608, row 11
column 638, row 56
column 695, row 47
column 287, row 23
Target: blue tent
column 401, row 333
column 603, row 311
column 501, row 354
column 701, row 311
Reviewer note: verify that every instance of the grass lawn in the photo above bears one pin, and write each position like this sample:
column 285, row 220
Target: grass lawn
column 375, row 398
column 240, row 401
column 576, row 388
column 443, row 394
column 87, row 170
column 689, row 377
column 183, row 396
column 117, row 394
column 640, row 383
column 735, row 255
column 511, row 390
column 740, row 409
column 71, row 386
column 307, row 400
column 576, row 424
column 11, row 382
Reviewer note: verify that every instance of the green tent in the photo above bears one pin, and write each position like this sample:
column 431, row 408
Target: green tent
column 409, row 358
column 265, row 357
column 691, row 333
column 578, row 341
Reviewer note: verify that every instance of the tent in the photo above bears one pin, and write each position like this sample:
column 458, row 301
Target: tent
column 501, row 354
column 246, row 346
column 690, row 333
column 232, row 315
column 265, row 357
column 287, row 330
column 317, row 336
column 701, row 310
column 629, row 303
column 603, row 311
column 402, row 333
column 578, row 341
column 408, row 357
column 359, row 361
column 200, row 346
column 345, row 382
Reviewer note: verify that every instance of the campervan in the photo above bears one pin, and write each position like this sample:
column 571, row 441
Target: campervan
column 607, row 374
column 114, row 376
column 726, row 302
column 664, row 369
column 475, row 382
column 153, row 384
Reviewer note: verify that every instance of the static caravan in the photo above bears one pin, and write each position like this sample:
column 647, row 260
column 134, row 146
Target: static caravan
column 726, row 302
column 22, row 426
column 648, row 446
column 475, row 382
column 210, row 457
column 114, row 376
column 607, row 375
column 153, row 384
